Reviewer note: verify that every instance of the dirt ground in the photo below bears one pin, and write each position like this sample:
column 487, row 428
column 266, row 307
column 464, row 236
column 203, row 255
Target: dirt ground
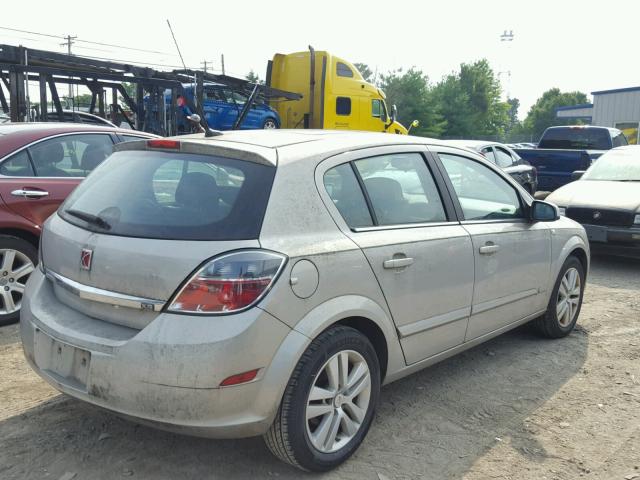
column 517, row 407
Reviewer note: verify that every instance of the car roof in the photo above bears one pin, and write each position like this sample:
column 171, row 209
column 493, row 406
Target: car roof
column 285, row 146
column 474, row 144
column 16, row 135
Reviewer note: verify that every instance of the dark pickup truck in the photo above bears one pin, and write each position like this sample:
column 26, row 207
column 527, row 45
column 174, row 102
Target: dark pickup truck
column 564, row 150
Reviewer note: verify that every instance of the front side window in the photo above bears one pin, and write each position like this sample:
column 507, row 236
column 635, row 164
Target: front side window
column 17, row 165
column 503, row 159
column 70, row 155
column 343, row 70
column 401, row 189
column 376, row 108
column 172, row 196
column 345, row 193
column 483, row 194
column 343, row 106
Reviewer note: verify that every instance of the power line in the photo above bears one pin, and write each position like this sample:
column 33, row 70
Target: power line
column 87, row 41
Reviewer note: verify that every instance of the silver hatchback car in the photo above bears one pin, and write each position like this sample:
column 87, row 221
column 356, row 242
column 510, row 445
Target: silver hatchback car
column 269, row 282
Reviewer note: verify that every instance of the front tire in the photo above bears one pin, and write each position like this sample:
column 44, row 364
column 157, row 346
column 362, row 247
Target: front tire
column 269, row 124
column 329, row 403
column 565, row 302
column 18, row 259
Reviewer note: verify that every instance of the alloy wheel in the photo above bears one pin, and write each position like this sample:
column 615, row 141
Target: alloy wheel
column 568, row 300
column 269, row 124
column 15, row 268
column 338, row 401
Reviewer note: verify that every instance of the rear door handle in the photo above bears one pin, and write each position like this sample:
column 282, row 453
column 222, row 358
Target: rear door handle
column 398, row 262
column 489, row 249
column 29, row 193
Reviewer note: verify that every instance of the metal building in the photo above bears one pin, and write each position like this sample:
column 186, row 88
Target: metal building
column 618, row 108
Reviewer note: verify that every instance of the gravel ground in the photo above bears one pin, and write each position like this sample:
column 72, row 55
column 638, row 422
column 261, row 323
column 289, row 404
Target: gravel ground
column 517, row 407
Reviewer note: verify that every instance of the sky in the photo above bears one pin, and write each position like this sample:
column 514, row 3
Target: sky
column 573, row 45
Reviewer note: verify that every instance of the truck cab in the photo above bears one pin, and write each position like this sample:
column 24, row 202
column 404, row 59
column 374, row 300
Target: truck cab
column 335, row 95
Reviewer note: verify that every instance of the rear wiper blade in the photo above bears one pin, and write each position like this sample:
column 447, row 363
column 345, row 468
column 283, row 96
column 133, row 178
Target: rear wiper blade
column 89, row 218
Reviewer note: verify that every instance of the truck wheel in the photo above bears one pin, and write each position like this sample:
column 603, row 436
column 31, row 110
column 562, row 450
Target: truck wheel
column 565, row 303
column 18, row 259
column 269, row 124
column 329, row 402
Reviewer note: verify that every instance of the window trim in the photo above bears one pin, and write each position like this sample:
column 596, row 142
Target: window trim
column 525, row 203
column 35, row 142
column 368, row 152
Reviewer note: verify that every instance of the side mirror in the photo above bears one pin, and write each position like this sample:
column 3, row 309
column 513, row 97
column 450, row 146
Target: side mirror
column 544, row 211
column 394, row 113
column 577, row 175
column 414, row 124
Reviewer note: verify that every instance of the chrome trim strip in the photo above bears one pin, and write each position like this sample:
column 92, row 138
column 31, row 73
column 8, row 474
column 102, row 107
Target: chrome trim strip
column 499, row 302
column 104, row 296
column 403, row 225
column 433, row 322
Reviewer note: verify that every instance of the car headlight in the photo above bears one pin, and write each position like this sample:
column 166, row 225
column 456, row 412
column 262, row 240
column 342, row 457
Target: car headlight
column 636, row 220
column 562, row 211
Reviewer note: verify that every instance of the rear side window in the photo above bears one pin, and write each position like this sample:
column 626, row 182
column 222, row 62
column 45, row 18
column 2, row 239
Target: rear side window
column 172, row 196
column 343, row 106
column 343, row 188
column 70, row 155
column 343, row 70
column 619, row 140
column 576, row 138
column 503, row 158
column 401, row 189
column 17, row 166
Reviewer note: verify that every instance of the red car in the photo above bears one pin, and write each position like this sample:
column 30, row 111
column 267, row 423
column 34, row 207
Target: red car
column 40, row 164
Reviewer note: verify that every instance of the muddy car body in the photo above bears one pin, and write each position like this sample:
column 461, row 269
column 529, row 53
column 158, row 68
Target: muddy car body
column 324, row 272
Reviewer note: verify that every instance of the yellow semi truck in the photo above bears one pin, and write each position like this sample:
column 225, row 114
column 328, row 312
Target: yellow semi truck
column 335, row 96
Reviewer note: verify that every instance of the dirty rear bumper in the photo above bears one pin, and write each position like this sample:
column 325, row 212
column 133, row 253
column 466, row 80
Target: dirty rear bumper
column 167, row 374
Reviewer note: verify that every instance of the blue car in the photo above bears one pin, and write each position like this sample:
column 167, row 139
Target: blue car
column 221, row 107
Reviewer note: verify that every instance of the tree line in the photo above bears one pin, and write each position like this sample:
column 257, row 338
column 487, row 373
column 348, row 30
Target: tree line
column 468, row 104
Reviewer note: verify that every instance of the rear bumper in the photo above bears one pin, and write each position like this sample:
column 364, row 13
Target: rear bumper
column 167, row 374
column 619, row 241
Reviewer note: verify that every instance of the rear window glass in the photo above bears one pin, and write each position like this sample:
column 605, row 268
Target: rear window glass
column 572, row 138
column 172, row 196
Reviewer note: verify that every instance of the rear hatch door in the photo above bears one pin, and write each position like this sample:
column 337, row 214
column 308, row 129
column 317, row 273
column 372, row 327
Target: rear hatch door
column 135, row 230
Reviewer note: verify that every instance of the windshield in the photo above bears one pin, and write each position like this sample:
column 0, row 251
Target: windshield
column 172, row 196
column 576, row 138
column 618, row 164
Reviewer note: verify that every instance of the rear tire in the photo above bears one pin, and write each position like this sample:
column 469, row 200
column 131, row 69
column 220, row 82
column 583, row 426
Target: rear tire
column 18, row 259
column 565, row 302
column 323, row 418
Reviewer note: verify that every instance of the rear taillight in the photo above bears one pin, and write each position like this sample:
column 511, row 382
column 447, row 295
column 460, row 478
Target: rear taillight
column 229, row 283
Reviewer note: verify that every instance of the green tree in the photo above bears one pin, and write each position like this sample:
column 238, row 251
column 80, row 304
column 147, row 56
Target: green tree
column 514, row 106
column 543, row 113
column 470, row 102
column 365, row 71
column 411, row 93
column 253, row 77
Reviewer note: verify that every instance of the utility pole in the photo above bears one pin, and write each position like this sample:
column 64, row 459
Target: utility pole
column 222, row 61
column 70, row 41
column 205, row 63
column 507, row 37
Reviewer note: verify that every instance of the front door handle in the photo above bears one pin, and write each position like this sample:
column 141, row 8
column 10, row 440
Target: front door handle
column 23, row 192
column 489, row 249
column 397, row 262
